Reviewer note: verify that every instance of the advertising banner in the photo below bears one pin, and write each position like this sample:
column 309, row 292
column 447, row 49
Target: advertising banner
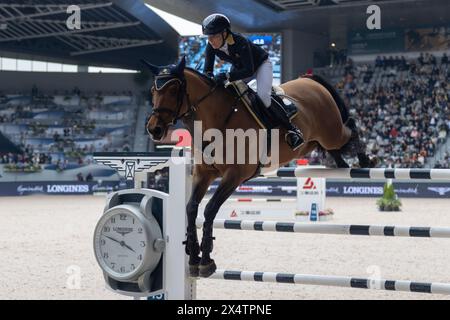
column 57, row 188
column 334, row 188
column 372, row 42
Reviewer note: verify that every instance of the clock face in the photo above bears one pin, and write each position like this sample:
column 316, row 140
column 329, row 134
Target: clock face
column 122, row 243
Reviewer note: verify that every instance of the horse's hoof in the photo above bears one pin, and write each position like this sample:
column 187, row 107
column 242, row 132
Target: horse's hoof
column 194, row 271
column 208, row 269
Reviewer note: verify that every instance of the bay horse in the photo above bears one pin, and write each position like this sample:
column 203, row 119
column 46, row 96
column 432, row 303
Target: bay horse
column 181, row 93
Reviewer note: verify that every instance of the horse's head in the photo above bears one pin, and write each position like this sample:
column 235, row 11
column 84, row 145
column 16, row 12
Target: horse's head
column 168, row 92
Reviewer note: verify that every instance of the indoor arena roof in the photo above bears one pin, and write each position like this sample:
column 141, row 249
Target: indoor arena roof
column 114, row 33
column 318, row 16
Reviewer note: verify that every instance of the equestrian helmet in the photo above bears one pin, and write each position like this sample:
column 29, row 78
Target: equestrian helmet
column 215, row 23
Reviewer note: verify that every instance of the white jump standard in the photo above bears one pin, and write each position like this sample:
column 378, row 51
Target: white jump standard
column 173, row 266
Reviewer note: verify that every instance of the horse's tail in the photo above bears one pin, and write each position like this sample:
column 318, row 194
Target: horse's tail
column 337, row 98
column 354, row 145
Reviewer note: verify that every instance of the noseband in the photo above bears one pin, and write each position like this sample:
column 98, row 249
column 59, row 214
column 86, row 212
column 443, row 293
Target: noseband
column 163, row 81
column 160, row 83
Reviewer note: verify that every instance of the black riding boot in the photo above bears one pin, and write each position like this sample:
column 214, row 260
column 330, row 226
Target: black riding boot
column 294, row 137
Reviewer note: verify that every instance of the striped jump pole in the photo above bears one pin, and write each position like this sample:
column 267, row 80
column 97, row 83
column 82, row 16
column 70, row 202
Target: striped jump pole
column 334, row 229
column 259, row 200
column 376, row 173
column 335, row 281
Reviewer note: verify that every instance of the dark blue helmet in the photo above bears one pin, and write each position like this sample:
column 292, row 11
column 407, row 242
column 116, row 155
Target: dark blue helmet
column 215, row 23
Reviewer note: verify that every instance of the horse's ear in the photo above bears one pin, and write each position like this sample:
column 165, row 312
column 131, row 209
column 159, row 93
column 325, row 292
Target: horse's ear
column 181, row 65
column 153, row 69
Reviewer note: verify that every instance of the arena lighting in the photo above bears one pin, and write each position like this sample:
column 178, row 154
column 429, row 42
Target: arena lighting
column 333, row 45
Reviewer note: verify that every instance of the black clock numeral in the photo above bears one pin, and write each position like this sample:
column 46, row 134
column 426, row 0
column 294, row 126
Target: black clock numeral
column 139, row 257
column 134, row 220
column 132, row 267
column 143, row 244
column 113, row 220
column 102, row 242
column 123, row 217
column 122, row 269
column 106, row 229
column 106, row 255
column 140, row 230
column 113, row 265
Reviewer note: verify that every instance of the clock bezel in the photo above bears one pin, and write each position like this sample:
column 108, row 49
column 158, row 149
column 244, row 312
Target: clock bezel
column 145, row 265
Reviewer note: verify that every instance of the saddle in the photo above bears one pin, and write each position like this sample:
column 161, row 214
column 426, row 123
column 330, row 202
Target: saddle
column 247, row 94
column 250, row 99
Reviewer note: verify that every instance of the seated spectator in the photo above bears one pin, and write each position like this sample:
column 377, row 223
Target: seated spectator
column 444, row 59
column 378, row 62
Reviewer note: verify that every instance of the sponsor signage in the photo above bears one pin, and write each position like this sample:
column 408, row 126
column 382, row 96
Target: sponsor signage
column 288, row 188
column 58, row 187
column 259, row 187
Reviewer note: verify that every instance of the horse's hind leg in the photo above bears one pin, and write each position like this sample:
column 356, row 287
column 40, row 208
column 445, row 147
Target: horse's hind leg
column 364, row 160
column 359, row 145
column 200, row 183
column 337, row 156
column 230, row 181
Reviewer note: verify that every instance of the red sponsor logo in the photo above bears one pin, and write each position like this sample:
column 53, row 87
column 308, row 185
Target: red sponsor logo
column 233, row 214
column 309, row 184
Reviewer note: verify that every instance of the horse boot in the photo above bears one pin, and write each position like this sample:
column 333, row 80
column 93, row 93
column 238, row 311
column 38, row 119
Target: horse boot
column 294, row 137
column 207, row 265
column 193, row 251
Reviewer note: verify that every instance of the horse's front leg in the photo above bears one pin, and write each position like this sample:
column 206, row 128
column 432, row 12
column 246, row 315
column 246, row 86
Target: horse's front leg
column 201, row 180
column 230, row 181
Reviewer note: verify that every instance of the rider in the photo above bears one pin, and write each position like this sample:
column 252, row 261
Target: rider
column 248, row 61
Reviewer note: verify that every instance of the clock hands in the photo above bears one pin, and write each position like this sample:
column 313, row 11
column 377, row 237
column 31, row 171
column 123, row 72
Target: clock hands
column 128, row 247
column 122, row 243
column 110, row 238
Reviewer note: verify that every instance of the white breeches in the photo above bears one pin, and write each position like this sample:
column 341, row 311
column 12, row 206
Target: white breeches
column 264, row 79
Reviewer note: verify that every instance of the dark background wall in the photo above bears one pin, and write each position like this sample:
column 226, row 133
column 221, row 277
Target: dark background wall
column 14, row 82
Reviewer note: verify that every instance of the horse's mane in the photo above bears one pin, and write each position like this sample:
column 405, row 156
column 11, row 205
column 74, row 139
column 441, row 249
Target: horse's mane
column 202, row 76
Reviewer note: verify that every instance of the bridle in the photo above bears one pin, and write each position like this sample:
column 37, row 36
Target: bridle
column 162, row 81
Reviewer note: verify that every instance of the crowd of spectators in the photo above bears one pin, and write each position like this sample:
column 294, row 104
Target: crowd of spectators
column 444, row 163
column 402, row 106
column 63, row 148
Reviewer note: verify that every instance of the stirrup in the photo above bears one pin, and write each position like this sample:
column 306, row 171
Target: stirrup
column 288, row 141
column 290, row 108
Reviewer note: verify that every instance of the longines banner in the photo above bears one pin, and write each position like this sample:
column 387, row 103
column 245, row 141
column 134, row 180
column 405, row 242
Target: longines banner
column 57, row 188
column 267, row 187
column 258, row 187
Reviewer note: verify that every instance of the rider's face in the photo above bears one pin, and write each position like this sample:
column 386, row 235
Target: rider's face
column 216, row 40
